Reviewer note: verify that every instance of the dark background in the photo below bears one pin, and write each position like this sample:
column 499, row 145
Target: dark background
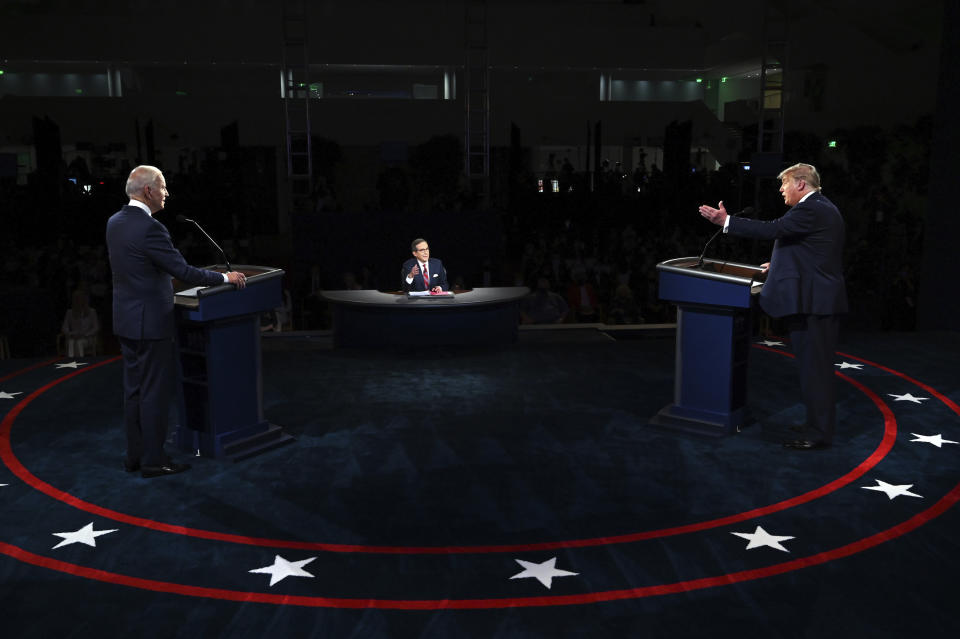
column 599, row 95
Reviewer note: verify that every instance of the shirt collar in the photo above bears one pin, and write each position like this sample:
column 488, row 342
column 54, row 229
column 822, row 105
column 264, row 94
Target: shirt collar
column 806, row 196
column 140, row 204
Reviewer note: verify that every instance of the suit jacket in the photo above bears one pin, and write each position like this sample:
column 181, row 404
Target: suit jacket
column 806, row 270
column 438, row 275
column 144, row 261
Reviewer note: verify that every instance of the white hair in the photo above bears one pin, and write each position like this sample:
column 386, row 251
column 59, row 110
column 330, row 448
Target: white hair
column 143, row 175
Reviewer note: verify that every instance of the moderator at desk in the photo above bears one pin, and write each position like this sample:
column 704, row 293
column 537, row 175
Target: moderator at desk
column 374, row 318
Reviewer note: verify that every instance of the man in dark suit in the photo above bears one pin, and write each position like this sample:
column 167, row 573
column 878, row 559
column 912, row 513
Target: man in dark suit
column 805, row 286
column 143, row 261
column 421, row 272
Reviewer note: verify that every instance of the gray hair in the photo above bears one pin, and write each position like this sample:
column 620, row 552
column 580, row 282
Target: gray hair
column 143, row 175
column 413, row 244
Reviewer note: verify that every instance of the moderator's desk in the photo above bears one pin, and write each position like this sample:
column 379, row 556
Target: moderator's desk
column 374, row 318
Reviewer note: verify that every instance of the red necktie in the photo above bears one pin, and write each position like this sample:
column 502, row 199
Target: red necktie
column 426, row 278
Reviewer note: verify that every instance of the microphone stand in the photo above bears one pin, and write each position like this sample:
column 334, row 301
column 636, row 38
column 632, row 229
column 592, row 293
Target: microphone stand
column 181, row 218
column 704, row 252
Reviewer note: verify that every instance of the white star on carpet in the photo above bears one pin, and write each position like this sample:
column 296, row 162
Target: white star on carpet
column 86, row 535
column 281, row 569
column 544, row 573
column 937, row 440
column 891, row 490
column 844, row 365
column 72, row 364
column 9, row 395
column 768, row 342
column 760, row 538
column 907, row 398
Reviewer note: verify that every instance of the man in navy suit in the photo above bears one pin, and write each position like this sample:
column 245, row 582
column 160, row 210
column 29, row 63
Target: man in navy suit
column 805, row 286
column 421, row 272
column 143, row 261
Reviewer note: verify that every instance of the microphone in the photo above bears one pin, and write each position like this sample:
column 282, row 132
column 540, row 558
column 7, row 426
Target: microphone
column 182, row 218
column 748, row 211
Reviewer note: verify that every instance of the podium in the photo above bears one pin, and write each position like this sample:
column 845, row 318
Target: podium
column 218, row 337
column 712, row 343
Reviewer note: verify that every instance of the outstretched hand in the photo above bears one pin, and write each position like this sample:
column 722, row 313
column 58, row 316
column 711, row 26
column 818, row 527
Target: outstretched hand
column 716, row 215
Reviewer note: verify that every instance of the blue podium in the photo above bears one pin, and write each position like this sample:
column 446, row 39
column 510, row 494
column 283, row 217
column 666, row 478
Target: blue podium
column 713, row 342
column 218, row 333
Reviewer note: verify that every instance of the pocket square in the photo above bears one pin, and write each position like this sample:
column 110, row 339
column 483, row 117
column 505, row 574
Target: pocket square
column 436, row 275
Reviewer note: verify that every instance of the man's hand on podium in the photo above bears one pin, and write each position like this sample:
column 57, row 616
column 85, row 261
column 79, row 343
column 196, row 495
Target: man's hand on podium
column 237, row 279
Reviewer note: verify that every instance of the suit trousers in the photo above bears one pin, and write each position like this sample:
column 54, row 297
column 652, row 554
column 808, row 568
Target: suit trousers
column 148, row 382
column 814, row 342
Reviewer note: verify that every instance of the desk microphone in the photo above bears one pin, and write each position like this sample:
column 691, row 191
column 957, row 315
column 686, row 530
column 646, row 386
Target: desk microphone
column 747, row 212
column 181, row 218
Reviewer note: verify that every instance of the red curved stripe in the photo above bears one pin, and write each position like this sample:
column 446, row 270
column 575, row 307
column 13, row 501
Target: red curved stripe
column 8, row 457
column 914, row 522
column 29, row 368
column 943, row 398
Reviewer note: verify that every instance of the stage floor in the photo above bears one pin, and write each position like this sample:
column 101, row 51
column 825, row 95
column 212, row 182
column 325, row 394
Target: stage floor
column 494, row 492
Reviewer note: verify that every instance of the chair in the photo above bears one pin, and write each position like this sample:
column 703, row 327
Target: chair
column 94, row 350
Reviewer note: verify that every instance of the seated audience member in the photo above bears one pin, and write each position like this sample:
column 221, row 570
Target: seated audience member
column 80, row 326
column 350, row 282
column 582, row 297
column 543, row 306
column 623, row 307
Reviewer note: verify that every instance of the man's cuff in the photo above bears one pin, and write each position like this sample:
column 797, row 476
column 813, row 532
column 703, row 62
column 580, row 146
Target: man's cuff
column 409, row 280
column 726, row 224
column 225, row 278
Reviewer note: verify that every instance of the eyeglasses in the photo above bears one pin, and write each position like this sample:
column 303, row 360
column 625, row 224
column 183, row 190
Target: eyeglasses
column 423, row 250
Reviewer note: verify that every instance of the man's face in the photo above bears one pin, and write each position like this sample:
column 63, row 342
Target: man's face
column 792, row 189
column 422, row 252
column 155, row 195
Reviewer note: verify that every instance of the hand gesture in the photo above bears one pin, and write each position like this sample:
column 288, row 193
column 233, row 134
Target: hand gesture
column 716, row 215
column 414, row 271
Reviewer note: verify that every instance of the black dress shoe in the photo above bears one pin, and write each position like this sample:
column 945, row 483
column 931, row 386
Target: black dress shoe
column 805, row 444
column 169, row 468
column 131, row 467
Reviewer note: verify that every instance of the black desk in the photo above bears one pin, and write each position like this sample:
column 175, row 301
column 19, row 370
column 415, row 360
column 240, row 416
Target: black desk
column 375, row 318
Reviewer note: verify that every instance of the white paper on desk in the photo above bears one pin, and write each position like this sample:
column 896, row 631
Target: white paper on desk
column 190, row 292
column 419, row 293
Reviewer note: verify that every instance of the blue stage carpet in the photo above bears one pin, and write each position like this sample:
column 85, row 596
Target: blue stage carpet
column 496, row 493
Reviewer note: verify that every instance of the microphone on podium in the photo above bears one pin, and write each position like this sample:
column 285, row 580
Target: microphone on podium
column 182, row 218
column 746, row 212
